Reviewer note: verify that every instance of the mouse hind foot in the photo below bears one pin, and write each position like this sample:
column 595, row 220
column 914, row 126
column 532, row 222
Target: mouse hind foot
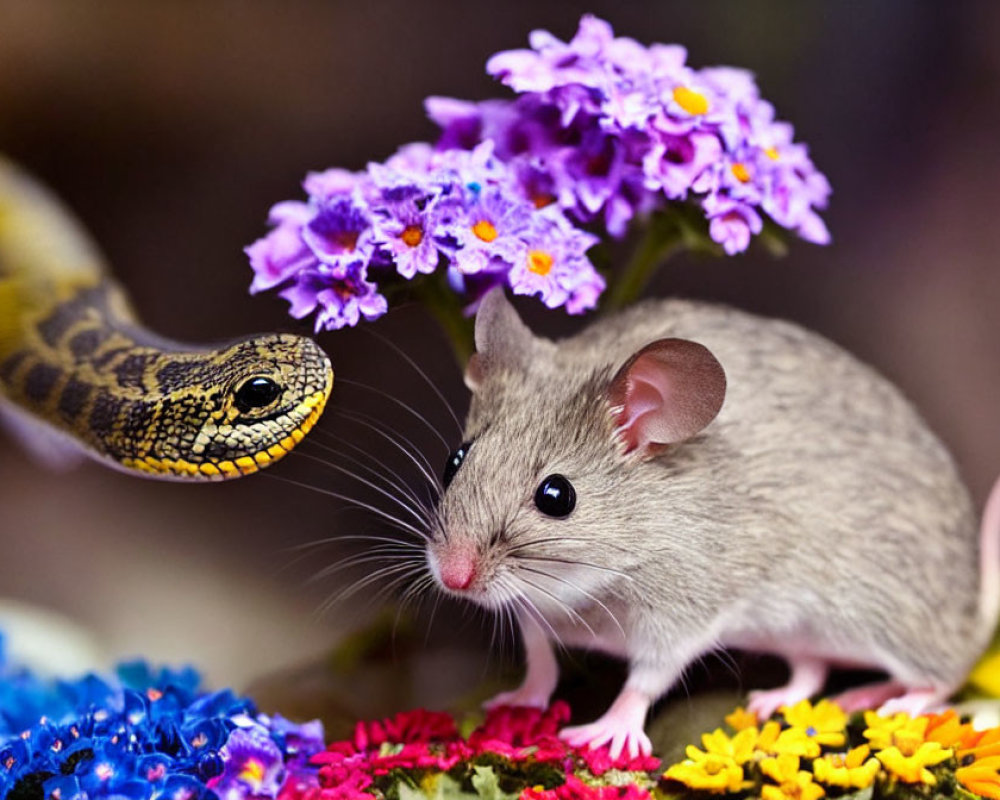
column 891, row 697
column 807, row 678
column 869, row 696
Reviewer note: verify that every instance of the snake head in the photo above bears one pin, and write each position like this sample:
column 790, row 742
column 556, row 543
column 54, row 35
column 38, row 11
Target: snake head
column 236, row 410
column 275, row 387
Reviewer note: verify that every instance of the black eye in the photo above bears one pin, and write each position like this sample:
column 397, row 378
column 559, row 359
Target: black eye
column 454, row 462
column 256, row 393
column 555, row 496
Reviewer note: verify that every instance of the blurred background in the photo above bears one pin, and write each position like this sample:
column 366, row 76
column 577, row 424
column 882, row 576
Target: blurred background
column 171, row 127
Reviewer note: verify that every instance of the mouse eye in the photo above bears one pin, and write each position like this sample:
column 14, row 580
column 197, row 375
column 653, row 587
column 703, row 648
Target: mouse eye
column 256, row 392
column 455, row 460
column 555, row 496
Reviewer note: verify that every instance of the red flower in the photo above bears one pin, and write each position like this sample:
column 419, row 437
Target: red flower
column 521, row 726
column 406, row 727
column 599, row 761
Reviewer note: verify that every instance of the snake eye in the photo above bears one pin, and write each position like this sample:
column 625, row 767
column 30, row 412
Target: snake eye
column 454, row 462
column 256, row 393
column 555, row 496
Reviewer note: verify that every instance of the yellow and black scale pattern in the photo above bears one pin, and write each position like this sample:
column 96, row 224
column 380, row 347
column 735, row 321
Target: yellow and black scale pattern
column 74, row 358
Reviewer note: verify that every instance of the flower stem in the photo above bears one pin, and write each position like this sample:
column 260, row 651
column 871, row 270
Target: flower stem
column 446, row 307
column 663, row 237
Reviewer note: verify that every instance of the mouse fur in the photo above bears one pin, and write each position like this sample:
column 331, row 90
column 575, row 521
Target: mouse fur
column 816, row 517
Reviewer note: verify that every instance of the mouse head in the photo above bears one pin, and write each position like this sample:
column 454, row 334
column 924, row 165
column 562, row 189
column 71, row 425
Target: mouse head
column 541, row 498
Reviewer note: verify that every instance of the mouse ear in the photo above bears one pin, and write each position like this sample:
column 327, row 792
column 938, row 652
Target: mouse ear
column 666, row 393
column 503, row 341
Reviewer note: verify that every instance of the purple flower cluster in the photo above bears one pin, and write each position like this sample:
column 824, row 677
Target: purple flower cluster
column 609, row 129
column 463, row 211
column 603, row 130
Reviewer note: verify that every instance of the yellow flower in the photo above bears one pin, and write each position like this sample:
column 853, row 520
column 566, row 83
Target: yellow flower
column 900, row 730
column 739, row 748
column 981, row 777
column 793, row 783
column 854, row 769
column 912, row 768
column 825, row 722
column 712, row 773
column 986, row 675
column 791, row 741
column 741, row 719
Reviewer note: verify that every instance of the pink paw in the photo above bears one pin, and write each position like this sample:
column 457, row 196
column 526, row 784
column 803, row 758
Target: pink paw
column 914, row 702
column 619, row 735
column 764, row 702
column 524, row 696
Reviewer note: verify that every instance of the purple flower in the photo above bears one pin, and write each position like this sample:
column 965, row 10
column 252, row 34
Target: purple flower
column 340, row 299
column 555, row 266
column 489, row 235
column 676, row 161
column 552, row 63
column 731, row 224
column 253, row 765
column 339, row 234
column 282, row 253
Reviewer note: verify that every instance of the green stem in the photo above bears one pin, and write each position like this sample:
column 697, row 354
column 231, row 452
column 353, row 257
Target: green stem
column 446, row 307
column 662, row 238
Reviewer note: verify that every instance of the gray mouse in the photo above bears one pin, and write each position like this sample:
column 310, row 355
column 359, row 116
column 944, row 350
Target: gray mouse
column 683, row 477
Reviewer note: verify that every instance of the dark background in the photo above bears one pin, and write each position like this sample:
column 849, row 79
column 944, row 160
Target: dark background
column 171, row 127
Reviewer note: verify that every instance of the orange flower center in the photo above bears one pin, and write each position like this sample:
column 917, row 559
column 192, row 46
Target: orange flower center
column 412, row 235
column 484, row 230
column 741, row 172
column 540, row 262
column 691, row 101
column 542, row 200
column 771, row 153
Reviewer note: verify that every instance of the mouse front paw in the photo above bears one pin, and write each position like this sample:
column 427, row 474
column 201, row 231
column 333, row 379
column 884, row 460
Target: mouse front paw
column 619, row 735
column 525, row 696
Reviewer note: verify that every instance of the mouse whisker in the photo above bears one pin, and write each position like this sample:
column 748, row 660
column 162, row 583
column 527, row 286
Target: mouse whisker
column 518, row 546
column 394, row 483
column 399, row 501
column 376, row 554
column 355, row 537
column 527, row 606
column 575, row 563
column 405, row 406
column 390, row 518
column 402, row 572
column 396, row 439
column 593, row 598
column 571, row 613
column 398, row 482
column 419, row 370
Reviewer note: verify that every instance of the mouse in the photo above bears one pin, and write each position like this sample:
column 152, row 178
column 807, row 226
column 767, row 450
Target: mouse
column 681, row 477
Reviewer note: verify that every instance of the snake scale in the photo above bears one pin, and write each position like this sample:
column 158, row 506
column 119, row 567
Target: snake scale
column 79, row 370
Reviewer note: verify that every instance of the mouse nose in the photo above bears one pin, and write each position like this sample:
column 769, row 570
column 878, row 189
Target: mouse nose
column 458, row 569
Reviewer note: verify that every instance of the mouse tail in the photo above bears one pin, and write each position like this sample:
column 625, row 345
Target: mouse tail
column 989, row 558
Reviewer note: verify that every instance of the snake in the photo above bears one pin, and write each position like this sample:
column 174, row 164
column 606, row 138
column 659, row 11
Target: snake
column 79, row 373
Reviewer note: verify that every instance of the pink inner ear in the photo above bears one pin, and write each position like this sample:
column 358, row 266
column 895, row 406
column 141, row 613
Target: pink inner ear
column 645, row 395
column 666, row 393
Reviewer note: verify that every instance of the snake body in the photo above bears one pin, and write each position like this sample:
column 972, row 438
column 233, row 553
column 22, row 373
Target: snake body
column 75, row 359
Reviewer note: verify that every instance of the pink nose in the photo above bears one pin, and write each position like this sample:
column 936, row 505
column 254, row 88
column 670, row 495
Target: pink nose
column 458, row 570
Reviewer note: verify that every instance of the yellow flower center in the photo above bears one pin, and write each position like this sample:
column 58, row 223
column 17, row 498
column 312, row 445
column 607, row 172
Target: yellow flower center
column 484, row 230
column 741, row 172
column 252, row 772
column 540, row 262
column 771, row 153
column 412, row 235
column 691, row 101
